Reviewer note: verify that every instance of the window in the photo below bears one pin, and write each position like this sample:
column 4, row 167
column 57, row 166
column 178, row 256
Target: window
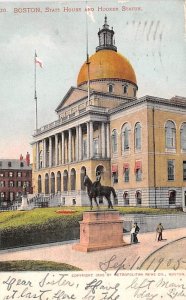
column 170, row 135
column 172, row 197
column 183, row 136
column 138, row 197
column 19, row 183
column 114, row 141
column 125, row 89
column 9, row 164
column 125, row 137
column 19, row 174
column 138, row 175
column 184, row 170
column 137, row 133
column 134, row 89
column 126, row 173
column 11, row 196
column 2, row 183
column 27, row 183
column 11, row 184
column 21, row 164
column 2, row 194
column 0, row 163
column 126, row 198
column 170, row 169
column 115, row 177
column 138, row 170
column 95, row 146
column 115, row 173
column 84, row 148
column 110, row 88
column 10, row 174
column 1, row 174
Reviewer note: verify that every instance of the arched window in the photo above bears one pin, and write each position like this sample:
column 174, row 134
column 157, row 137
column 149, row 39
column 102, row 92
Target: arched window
column 58, row 181
column 46, row 184
column 183, row 136
column 65, row 181
column 125, row 137
column 172, row 197
column 114, row 141
column 83, row 173
column 137, row 134
column 126, row 198
column 73, row 179
column 52, row 180
column 138, row 198
column 100, row 169
column 170, row 135
column 39, row 184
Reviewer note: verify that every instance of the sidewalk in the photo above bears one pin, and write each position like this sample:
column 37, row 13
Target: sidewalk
column 129, row 256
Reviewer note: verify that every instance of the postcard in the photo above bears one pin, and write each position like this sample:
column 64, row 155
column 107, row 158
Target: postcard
column 93, row 103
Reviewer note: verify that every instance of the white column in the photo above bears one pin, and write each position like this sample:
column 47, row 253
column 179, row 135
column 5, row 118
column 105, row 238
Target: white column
column 69, row 145
column 91, row 139
column 56, row 150
column 50, row 151
column 44, row 153
column 63, row 147
column 80, row 143
column 108, row 140
column 77, row 142
column 88, row 141
column 60, row 153
column 103, row 140
column 37, row 155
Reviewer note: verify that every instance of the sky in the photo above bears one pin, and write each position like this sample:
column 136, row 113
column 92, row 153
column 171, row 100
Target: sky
column 152, row 37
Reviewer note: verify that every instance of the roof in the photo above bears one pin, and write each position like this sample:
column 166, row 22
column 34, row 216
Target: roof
column 14, row 164
column 107, row 64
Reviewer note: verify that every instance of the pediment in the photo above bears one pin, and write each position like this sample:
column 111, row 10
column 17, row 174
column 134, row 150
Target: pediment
column 74, row 94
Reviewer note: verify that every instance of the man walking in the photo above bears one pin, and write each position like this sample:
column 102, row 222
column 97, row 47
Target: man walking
column 159, row 231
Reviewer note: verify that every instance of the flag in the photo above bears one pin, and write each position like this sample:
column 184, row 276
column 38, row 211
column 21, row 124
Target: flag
column 38, row 61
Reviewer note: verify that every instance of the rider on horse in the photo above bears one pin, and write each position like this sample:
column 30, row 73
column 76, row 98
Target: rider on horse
column 97, row 184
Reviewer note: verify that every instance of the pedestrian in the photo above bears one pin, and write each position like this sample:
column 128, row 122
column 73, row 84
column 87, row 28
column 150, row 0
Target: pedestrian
column 159, row 231
column 132, row 234
column 137, row 229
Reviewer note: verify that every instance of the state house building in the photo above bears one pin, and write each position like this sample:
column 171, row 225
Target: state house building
column 138, row 144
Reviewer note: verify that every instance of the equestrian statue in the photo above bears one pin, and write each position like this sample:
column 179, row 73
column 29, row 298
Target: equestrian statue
column 95, row 190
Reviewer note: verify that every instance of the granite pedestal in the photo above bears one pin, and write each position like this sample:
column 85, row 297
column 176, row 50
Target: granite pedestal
column 100, row 230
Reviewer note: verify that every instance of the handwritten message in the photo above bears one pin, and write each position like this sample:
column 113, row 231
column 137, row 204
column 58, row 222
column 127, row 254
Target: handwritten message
column 92, row 286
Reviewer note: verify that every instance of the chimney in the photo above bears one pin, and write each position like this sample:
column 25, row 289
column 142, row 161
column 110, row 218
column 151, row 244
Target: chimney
column 28, row 159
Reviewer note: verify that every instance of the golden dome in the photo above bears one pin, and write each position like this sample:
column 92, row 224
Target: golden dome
column 107, row 64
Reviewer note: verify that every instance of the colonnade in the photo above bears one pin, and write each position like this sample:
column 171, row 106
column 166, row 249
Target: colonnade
column 74, row 144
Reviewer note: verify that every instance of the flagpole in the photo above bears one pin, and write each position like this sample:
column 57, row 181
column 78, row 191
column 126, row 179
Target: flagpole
column 35, row 94
column 87, row 59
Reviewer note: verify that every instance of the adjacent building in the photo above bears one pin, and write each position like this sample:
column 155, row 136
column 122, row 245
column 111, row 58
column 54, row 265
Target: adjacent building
column 14, row 173
column 138, row 144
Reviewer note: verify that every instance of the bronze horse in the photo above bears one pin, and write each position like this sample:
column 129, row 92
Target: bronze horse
column 93, row 192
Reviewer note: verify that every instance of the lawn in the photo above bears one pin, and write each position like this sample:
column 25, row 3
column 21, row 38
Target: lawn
column 35, row 265
column 39, row 216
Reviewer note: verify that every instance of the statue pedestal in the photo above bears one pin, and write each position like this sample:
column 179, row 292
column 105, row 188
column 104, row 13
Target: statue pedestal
column 100, row 230
column 24, row 204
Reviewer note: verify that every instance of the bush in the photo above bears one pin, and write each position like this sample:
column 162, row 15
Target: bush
column 53, row 230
